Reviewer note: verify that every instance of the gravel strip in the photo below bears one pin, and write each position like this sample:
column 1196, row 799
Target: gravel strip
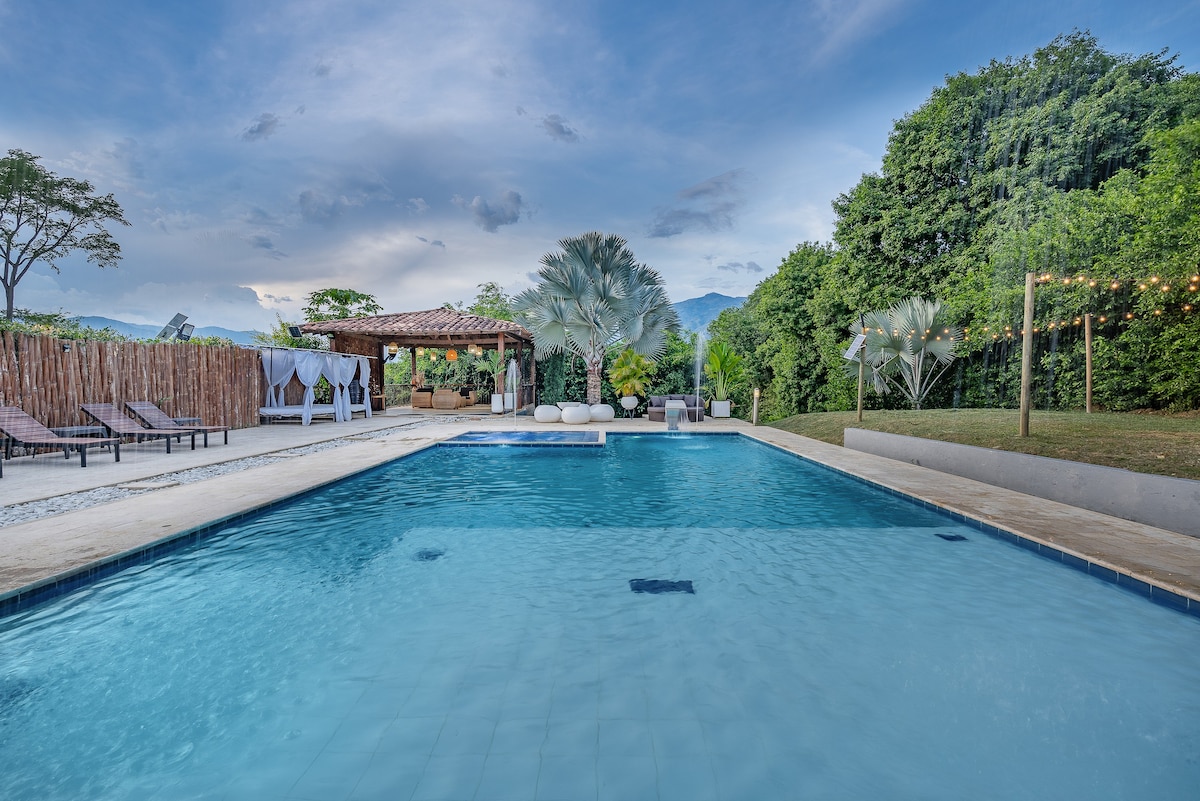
column 35, row 510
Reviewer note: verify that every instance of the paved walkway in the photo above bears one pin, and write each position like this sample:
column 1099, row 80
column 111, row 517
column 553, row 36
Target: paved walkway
column 44, row 550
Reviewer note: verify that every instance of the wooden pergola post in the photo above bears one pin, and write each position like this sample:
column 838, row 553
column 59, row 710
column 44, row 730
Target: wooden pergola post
column 1027, row 356
column 533, row 376
column 503, row 368
column 1087, row 358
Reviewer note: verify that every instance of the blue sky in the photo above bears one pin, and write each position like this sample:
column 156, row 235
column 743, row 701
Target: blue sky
column 263, row 150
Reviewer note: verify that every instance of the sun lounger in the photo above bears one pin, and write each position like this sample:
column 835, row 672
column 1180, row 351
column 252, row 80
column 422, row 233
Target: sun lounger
column 121, row 425
column 155, row 417
column 21, row 429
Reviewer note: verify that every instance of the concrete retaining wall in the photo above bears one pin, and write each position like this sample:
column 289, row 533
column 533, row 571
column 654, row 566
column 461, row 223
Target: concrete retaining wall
column 1161, row 501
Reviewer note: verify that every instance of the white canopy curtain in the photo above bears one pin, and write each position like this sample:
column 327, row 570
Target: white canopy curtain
column 309, row 366
column 340, row 370
column 364, row 381
column 278, row 364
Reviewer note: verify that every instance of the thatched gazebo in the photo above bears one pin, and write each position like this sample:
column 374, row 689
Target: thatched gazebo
column 384, row 335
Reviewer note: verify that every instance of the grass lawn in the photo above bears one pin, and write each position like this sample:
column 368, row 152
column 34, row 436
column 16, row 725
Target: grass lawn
column 1168, row 445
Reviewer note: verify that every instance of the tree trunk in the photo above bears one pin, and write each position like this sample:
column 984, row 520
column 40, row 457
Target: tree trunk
column 593, row 384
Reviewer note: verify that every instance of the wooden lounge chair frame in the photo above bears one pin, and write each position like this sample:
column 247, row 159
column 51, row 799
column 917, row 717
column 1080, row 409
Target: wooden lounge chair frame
column 21, row 429
column 156, row 418
column 122, row 425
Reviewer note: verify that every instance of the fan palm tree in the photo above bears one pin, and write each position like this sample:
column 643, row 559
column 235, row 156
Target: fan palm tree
column 593, row 295
column 908, row 347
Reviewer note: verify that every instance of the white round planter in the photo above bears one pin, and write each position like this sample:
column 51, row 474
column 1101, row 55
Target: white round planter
column 601, row 413
column 547, row 414
column 629, row 402
column 577, row 415
column 720, row 408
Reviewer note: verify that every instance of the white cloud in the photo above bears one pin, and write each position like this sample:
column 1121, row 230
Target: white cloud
column 844, row 23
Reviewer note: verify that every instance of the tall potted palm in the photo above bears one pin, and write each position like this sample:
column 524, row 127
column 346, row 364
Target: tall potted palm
column 593, row 295
column 629, row 374
column 491, row 365
column 724, row 368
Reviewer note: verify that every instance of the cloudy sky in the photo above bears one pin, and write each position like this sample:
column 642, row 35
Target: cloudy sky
column 262, row 150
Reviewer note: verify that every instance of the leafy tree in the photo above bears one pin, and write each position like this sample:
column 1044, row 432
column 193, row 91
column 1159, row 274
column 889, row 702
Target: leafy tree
column 46, row 218
column 676, row 372
column 491, row 301
column 281, row 337
column 561, row 378
column 592, row 295
column 338, row 304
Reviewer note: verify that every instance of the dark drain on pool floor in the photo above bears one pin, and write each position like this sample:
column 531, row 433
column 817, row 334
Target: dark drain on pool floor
column 428, row 555
column 657, row 586
column 951, row 537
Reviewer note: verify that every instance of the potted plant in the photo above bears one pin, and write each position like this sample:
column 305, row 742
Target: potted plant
column 629, row 374
column 724, row 368
column 491, row 365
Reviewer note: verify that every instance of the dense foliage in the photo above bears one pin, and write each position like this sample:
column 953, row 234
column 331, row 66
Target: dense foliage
column 56, row 324
column 1073, row 163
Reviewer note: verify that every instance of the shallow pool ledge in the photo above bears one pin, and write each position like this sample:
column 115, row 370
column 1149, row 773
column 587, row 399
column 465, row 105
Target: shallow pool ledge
column 1146, row 556
column 1159, row 501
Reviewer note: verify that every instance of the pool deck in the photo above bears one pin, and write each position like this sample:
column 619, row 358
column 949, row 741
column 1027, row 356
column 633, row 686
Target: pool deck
column 41, row 552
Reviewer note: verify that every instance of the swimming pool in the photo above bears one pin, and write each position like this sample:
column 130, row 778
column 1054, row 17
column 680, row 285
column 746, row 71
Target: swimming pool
column 462, row 624
column 533, row 438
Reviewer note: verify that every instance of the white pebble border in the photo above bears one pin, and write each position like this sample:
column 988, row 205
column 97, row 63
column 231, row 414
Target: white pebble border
column 35, row 510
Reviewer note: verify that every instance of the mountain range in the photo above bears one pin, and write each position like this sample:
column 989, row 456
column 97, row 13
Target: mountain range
column 696, row 313
column 136, row 331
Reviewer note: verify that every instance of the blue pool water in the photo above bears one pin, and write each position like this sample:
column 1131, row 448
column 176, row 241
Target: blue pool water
column 526, row 437
column 462, row 625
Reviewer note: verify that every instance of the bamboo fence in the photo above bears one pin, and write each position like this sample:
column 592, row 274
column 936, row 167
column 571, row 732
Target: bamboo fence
column 49, row 378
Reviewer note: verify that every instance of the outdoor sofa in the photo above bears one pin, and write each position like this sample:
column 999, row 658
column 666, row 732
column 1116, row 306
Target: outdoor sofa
column 657, row 408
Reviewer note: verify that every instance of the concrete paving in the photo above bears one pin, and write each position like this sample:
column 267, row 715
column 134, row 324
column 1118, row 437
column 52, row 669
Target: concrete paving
column 45, row 550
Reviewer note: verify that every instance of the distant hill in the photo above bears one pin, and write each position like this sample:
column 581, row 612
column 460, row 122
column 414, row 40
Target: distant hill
column 695, row 314
column 135, row 331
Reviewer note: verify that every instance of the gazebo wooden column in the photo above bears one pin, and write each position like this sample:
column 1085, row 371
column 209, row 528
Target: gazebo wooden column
column 503, row 377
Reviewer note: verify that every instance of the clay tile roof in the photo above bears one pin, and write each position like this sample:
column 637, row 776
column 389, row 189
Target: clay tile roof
column 431, row 323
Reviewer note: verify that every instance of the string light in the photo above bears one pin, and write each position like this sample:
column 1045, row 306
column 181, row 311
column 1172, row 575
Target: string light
column 1154, row 281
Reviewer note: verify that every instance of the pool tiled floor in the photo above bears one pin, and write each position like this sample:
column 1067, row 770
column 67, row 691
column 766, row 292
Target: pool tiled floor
column 38, row 551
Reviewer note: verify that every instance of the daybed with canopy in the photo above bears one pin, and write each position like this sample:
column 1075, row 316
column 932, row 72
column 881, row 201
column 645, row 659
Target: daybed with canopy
column 308, row 366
